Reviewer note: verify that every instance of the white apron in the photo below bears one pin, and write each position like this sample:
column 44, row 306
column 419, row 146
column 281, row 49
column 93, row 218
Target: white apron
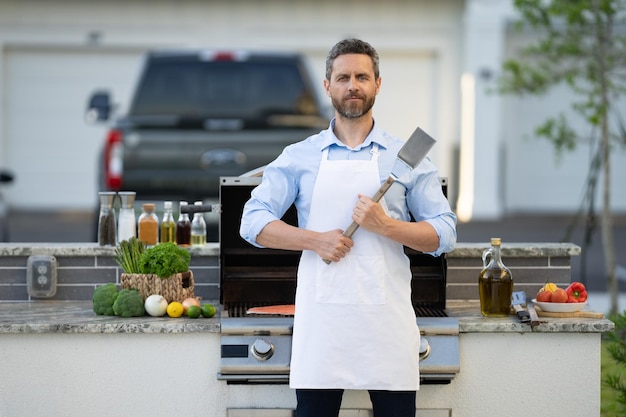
column 354, row 326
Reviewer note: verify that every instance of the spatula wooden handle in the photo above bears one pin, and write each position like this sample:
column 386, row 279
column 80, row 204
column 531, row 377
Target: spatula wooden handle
column 383, row 188
column 379, row 194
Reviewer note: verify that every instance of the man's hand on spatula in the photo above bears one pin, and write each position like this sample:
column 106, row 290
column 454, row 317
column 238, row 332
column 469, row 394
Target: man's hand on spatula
column 369, row 214
column 332, row 245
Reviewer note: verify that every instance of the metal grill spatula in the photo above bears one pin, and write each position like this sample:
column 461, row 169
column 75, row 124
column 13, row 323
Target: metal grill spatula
column 409, row 156
column 518, row 299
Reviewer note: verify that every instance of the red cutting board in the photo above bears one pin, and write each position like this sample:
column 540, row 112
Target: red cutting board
column 581, row 313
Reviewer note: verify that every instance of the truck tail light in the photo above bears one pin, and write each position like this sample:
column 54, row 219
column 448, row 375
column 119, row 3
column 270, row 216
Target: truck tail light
column 214, row 55
column 113, row 160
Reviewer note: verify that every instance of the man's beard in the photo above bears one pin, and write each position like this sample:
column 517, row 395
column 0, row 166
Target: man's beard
column 353, row 110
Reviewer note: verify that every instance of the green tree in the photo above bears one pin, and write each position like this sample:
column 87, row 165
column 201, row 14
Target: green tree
column 617, row 349
column 579, row 44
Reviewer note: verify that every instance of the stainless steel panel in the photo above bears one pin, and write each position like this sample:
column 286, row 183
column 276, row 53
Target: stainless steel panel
column 438, row 325
column 278, row 363
column 434, row 413
column 444, row 355
column 252, row 325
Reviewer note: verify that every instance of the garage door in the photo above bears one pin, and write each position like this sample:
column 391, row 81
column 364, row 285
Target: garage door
column 47, row 144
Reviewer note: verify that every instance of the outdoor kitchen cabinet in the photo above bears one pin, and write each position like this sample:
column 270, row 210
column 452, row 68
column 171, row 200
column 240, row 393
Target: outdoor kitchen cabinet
column 64, row 360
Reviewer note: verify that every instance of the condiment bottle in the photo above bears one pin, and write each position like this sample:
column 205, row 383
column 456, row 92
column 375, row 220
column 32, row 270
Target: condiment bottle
column 106, row 222
column 148, row 225
column 126, row 223
column 183, row 227
column 495, row 283
column 168, row 225
column 198, row 228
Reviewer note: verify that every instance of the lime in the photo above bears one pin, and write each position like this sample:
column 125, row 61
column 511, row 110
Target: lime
column 194, row 312
column 175, row 309
column 208, row 310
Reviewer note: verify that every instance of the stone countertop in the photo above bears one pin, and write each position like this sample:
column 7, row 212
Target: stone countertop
column 472, row 321
column 461, row 250
column 84, row 249
column 78, row 317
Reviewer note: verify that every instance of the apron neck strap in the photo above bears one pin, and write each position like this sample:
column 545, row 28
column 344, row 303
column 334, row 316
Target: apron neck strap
column 374, row 151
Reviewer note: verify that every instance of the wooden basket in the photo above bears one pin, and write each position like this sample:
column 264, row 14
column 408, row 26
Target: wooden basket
column 174, row 288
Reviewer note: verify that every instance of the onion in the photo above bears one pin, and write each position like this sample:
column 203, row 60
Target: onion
column 156, row 305
column 191, row 301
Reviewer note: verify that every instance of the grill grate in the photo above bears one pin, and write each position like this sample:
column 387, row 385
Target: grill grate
column 240, row 310
column 429, row 311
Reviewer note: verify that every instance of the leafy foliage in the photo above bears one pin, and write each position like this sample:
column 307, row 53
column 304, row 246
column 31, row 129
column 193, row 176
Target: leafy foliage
column 616, row 379
column 578, row 47
column 164, row 260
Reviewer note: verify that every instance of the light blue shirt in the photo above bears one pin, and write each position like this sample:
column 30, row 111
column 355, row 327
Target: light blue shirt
column 290, row 179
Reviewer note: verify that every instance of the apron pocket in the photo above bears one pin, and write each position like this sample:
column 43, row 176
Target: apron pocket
column 353, row 280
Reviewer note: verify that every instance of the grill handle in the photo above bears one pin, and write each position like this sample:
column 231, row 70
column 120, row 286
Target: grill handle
column 192, row 209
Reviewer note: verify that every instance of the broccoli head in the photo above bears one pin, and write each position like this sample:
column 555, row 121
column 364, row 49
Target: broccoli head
column 129, row 303
column 103, row 298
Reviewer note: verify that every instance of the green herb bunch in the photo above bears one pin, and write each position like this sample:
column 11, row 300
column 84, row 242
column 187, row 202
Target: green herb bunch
column 164, row 260
column 128, row 254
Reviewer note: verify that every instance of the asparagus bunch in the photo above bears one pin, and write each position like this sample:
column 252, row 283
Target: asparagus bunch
column 128, row 254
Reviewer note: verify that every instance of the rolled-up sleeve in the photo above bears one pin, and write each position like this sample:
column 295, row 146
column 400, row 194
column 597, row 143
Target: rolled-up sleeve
column 253, row 221
column 427, row 202
column 268, row 201
column 445, row 226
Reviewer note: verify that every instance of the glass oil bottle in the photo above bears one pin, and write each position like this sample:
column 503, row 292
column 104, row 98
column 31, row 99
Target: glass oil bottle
column 495, row 283
column 168, row 225
column 183, row 227
column 198, row 228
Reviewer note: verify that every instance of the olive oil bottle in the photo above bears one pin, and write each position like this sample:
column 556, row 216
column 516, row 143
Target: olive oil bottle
column 168, row 225
column 198, row 228
column 495, row 283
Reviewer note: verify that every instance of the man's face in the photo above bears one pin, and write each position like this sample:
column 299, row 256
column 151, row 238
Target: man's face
column 352, row 87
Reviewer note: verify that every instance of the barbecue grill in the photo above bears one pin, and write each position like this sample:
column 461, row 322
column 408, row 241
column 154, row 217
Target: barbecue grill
column 257, row 349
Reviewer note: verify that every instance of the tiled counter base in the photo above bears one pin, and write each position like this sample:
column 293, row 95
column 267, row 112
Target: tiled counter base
column 83, row 266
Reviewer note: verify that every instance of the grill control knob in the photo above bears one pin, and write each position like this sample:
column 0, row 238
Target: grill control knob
column 424, row 348
column 262, row 349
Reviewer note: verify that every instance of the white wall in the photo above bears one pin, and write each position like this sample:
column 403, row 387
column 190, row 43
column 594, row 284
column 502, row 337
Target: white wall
column 160, row 375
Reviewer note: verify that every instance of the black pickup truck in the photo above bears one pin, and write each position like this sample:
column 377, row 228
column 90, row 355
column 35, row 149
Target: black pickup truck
column 197, row 115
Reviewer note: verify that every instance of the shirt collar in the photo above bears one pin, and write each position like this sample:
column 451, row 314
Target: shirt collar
column 376, row 135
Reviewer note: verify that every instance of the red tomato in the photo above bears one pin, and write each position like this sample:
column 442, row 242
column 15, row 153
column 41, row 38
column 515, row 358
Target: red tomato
column 559, row 296
column 544, row 296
